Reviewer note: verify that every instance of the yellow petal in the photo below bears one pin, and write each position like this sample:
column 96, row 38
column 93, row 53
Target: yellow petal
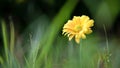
column 84, row 19
column 77, row 38
column 83, row 36
column 89, row 31
column 89, row 23
column 68, row 24
column 76, row 19
column 70, row 37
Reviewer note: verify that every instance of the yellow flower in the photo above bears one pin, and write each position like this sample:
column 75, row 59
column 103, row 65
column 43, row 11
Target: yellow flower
column 78, row 27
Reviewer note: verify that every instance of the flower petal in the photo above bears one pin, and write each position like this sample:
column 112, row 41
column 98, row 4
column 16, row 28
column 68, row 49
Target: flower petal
column 89, row 23
column 77, row 38
column 70, row 37
column 84, row 19
column 83, row 36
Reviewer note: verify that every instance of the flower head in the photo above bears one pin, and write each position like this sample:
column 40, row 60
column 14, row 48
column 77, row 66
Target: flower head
column 78, row 27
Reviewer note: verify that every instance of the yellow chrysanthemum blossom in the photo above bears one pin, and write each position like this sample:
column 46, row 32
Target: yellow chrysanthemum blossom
column 78, row 27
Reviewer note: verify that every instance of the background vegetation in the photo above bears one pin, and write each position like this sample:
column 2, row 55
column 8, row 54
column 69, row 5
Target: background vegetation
column 31, row 34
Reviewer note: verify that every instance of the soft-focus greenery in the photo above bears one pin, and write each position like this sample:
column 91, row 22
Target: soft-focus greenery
column 42, row 45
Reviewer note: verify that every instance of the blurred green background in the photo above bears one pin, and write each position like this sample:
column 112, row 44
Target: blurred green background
column 35, row 28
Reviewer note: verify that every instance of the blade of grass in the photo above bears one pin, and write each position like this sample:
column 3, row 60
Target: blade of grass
column 107, row 50
column 27, row 63
column 12, row 37
column 107, row 47
column 1, row 60
column 12, row 40
column 5, row 40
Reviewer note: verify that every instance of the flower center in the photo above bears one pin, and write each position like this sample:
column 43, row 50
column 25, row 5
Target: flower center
column 78, row 28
